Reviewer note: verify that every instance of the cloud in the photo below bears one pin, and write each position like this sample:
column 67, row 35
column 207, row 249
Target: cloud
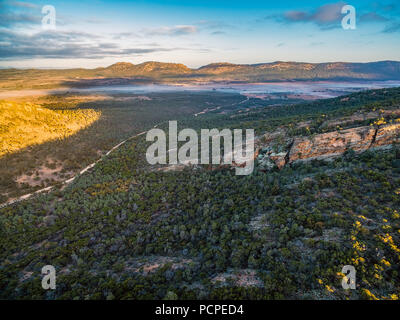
column 389, row 7
column 215, row 33
column 214, row 27
column 18, row 13
column 96, row 21
column 329, row 16
column 65, row 45
column 124, row 35
column 297, row 16
column 270, row 17
column 372, row 17
column 21, row 4
column 326, row 16
column 394, row 27
column 171, row 31
column 214, row 24
column 9, row 19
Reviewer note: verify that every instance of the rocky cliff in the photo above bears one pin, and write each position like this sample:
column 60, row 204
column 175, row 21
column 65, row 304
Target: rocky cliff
column 326, row 145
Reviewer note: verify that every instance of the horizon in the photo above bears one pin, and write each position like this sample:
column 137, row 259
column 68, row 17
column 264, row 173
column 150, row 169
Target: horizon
column 196, row 68
column 94, row 34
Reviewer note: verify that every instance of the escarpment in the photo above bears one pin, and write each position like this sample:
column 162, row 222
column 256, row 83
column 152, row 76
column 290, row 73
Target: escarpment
column 285, row 150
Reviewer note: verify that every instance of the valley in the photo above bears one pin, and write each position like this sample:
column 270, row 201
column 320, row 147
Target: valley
column 123, row 229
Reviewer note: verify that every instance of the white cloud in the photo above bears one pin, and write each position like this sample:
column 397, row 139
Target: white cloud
column 171, row 31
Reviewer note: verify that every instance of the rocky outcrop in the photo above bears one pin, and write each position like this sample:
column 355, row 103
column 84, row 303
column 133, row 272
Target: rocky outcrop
column 386, row 135
column 276, row 151
column 331, row 144
column 326, row 145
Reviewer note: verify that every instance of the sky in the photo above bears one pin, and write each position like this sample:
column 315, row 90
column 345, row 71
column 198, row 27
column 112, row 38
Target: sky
column 96, row 33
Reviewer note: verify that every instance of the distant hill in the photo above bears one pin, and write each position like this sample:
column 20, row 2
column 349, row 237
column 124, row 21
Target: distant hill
column 279, row 70
column 384, row 70
column 122, row 72
column 145, row 69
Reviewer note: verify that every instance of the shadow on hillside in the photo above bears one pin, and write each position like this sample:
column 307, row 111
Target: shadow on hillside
column 122, row 116
column 71, row 153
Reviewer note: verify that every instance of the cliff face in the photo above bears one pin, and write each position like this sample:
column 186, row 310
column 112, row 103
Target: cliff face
column 387, row 135
column 331, row 144
column 328, row 145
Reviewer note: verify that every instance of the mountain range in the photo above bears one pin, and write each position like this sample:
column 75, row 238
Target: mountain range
column 383, row 70
column 125, row 72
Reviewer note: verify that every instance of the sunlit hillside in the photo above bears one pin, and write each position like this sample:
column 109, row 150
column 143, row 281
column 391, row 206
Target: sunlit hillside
column 26, row 124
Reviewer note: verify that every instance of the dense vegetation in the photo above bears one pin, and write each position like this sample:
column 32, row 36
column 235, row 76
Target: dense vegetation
column 40, row 165
column 127, row 231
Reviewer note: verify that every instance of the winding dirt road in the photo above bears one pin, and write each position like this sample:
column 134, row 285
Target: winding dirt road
column 90, row 166
column 70, row 180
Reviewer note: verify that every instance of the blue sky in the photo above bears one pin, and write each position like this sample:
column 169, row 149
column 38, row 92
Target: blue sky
column 98, row 33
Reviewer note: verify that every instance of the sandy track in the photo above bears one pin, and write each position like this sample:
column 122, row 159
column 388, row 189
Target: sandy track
column 90, row 166
column 69, row 181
